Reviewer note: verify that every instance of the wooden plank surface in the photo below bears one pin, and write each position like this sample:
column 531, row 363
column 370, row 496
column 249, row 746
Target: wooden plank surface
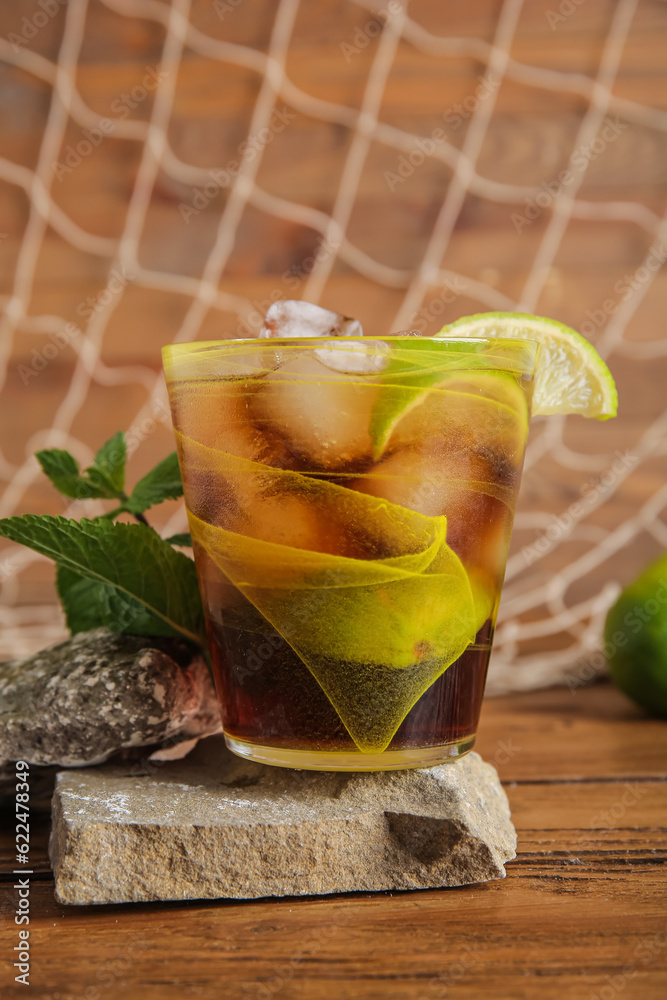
column 582, row 910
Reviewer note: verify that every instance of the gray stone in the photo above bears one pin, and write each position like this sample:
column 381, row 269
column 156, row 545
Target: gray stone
column 214, row 826
column 83, row 700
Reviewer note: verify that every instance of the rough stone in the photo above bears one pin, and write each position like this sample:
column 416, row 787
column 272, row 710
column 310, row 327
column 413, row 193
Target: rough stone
column 215, row 826
column 83, row 700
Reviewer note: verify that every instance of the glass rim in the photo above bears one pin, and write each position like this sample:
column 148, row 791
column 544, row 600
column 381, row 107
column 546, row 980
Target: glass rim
column 195, row 346
column 222, row 358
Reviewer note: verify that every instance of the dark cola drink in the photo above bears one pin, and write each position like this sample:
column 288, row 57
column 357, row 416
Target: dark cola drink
column 350, row 505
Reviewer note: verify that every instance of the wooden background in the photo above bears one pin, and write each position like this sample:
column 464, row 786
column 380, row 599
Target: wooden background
column 99, row 238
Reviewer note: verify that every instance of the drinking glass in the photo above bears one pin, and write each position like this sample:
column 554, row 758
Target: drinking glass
column 350, row 507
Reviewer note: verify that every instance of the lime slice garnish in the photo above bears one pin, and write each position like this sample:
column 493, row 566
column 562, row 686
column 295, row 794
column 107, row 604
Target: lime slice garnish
column 571, row 376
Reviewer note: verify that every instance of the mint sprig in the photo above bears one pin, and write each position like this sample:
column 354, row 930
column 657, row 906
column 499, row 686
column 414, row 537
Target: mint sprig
column 123, row 576
column 134, row 572
column 105, row 478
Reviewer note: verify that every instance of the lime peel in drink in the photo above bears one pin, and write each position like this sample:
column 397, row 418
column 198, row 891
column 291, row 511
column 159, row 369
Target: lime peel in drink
column 421, row 604
column 486, row 369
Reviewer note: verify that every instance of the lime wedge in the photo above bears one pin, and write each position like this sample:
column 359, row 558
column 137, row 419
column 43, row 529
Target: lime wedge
column 637, row 649
column 468, row 411
column 421, row 369
column 571, row 375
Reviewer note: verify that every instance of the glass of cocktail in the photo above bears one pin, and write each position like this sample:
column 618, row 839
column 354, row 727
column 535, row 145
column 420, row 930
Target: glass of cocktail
column 350, row 505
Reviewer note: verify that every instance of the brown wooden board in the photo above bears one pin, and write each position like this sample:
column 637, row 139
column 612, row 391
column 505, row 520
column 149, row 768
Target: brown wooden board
column 582, row 909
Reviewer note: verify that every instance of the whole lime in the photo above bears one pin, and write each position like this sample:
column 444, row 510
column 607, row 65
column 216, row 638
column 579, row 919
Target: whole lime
column 636, row 639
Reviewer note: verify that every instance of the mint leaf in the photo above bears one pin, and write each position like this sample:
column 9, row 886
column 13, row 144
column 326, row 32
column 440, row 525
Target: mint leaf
column 62, row 469
column 131, row 559
column 161, row 483
column 108, row 469
column 104, row 480
column 184, row 539
column 88, row 604
column 82, row 600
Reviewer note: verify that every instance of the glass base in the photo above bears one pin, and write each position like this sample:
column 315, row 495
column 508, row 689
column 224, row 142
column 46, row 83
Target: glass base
column 344, row 760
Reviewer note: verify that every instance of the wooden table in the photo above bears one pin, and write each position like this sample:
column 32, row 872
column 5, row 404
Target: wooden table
column 582, row 914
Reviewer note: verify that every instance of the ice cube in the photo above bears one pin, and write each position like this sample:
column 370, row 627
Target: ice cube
column 459, row 484
column 418, row 480
column 357, row 357
column 216, row 413
column 322, row 416
column 286, row 520
column 292, row 318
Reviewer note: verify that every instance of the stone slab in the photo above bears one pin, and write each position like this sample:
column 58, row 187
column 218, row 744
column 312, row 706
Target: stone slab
column 215, row 826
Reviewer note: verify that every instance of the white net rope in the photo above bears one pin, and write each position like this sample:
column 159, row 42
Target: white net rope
column 537, row 605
